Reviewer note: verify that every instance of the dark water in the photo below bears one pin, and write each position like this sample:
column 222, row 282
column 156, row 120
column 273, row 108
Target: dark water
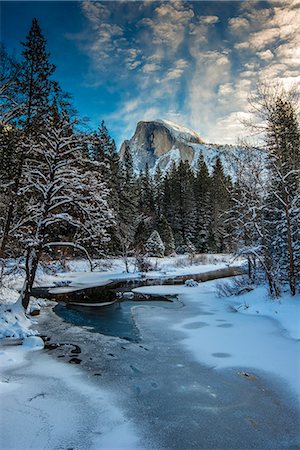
column 114, row 321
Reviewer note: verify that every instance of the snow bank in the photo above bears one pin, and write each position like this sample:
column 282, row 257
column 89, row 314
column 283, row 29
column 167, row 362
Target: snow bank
column 14, row 323
column 52, row 405
column 285, row 310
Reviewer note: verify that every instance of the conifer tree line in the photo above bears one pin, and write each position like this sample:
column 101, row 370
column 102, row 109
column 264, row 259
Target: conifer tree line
column 185, row 207
column 62, row 187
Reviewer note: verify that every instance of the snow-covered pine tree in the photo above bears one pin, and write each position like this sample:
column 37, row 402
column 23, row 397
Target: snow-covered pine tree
column 146, row 193
column 128, row 216
column 154, row 245
column 104, row 151
column 202, row 202
column 282, row 211
column 158, row 191
column 166, row 234
column 60, row 193
column 32, row 87
column 220, row 202
column 101, row 143
column 182, row 215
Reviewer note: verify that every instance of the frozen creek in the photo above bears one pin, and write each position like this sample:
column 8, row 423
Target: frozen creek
column 169, row 395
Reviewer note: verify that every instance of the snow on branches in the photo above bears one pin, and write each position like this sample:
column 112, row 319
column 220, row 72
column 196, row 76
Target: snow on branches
column 66, row 195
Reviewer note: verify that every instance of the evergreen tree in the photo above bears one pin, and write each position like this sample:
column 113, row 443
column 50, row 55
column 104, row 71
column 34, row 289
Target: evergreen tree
column 128, row 195
column 166, row 234
column 282, row 208
column 158, row 192
column 154, row 245
column 34, row 79
column 202, row 201
column 32, row 86
column 146, row 193
column 220, row 202
column 102, row 150
column 127, row 163
column 167, row 206
column 183, row 218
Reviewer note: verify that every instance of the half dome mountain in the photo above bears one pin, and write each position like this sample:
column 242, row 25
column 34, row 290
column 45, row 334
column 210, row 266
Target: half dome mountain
column 159, row 143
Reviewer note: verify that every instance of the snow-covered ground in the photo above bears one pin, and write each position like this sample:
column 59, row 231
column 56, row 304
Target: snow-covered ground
column 46, row 404
column 53, row 405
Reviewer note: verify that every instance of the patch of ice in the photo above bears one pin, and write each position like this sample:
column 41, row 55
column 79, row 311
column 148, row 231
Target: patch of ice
column 249, row 340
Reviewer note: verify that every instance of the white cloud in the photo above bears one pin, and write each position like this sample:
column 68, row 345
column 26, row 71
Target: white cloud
column 231, row 125
column 261, row 39
column 266, row 55
column 225, row 89
column 242, row 45
column 238, row 24
column 168, row 24
column 176, row 71
column 150, row 67
column 209, row 20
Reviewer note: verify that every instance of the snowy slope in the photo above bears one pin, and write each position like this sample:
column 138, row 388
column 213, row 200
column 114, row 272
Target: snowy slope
column 180, row 132
column 210, row 153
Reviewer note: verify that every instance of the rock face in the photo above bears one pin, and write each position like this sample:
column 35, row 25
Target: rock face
column 158, row 139
column 160, row 143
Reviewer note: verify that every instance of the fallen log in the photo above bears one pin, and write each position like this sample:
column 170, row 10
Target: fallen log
column 109, row 291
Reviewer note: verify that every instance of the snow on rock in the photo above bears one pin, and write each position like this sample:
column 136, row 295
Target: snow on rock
column 8, row 295
column 159, row 143
column 33, row 343
column 191, row 283
column 14, row 323
column 179, row 131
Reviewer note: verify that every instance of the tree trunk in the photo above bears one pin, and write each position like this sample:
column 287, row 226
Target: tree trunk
column 292, row 280
column 31, row 264
column 11, row 207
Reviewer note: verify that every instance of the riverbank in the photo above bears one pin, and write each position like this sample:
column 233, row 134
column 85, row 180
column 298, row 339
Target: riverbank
column 170, row 396
column 201, row 376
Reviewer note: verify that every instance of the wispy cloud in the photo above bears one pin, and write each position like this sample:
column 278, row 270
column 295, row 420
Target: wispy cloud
column 170, row 59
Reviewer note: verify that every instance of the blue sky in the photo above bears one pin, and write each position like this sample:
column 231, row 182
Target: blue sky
column 190, row 62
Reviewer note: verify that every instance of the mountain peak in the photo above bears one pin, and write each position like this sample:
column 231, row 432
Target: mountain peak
column 181, row 131
column 155, row 139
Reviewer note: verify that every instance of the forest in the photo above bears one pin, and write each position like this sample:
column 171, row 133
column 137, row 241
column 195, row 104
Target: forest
column 64, row 188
